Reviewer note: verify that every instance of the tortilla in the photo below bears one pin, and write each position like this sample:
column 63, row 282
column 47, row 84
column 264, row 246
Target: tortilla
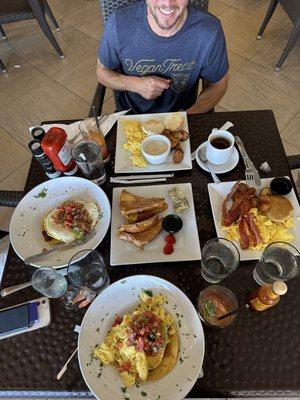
column 153, row 361
column 168, row 361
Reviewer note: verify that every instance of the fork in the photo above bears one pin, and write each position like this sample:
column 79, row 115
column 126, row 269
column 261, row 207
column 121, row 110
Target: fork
column 251, row 173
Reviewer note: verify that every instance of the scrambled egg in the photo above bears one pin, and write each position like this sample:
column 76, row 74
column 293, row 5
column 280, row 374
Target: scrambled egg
column 134, row 136
column 270, row 231
column 116, row 349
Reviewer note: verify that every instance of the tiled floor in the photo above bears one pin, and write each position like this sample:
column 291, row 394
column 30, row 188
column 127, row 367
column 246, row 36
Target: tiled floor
column 39, row 86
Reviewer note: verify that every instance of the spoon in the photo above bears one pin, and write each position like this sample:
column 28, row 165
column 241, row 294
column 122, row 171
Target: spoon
column 203, row 158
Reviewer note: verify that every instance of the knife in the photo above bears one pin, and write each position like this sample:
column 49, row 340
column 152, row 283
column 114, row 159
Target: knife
column 59, row 246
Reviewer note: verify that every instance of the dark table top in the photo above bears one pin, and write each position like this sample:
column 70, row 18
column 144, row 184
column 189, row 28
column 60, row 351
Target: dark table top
column 259, row 353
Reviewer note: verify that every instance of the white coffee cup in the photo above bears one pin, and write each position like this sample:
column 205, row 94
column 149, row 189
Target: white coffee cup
column 219, row 147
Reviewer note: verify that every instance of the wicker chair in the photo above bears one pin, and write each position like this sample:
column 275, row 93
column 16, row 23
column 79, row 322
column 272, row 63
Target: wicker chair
column 107, row 7
column 2, row 67
column 292, row 8
column 17, row 10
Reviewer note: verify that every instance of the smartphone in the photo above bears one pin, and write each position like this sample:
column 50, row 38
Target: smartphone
column 24, row 317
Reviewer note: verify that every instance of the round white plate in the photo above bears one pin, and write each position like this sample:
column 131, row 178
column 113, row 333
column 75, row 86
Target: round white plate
column 218, row 169
column 26, row 224
column 119, row 298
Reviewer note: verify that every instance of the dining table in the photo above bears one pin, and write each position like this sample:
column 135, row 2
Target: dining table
column 258, row 355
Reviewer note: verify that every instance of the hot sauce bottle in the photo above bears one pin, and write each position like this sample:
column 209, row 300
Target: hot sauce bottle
column 267, row 296
column 56, row 146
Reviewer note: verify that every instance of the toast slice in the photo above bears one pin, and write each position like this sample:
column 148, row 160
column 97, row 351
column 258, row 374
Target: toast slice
column 143, row 215
column 144, row 237
column 130, row 203
column 139, row 226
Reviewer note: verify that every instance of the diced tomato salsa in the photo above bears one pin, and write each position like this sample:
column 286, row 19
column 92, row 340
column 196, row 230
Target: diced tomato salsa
column 74, row 217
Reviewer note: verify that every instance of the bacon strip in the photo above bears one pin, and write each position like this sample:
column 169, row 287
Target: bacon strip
column 253, row 229
column 244, row 238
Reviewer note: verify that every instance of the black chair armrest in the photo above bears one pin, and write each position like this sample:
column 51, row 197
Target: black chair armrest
column 294, row 161
column 98, row 100
column 10, row 198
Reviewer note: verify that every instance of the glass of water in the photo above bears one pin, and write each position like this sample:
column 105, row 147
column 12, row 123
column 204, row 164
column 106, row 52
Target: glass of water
column 49, row 282
column 279, row 260
column 220, row 258
column 88, row 157
column 87, row 270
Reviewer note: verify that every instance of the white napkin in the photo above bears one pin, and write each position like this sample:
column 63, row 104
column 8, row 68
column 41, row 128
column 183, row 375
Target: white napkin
column 72, row 130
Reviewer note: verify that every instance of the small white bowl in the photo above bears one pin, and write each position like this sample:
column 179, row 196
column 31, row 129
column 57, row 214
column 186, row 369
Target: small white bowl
column 159, row 158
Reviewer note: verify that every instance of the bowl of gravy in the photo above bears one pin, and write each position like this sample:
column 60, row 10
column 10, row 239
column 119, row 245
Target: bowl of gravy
column 156, row 148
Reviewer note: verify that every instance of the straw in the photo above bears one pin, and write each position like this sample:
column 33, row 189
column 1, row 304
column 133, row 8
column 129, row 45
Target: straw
column 233, row 312
column 95, row 116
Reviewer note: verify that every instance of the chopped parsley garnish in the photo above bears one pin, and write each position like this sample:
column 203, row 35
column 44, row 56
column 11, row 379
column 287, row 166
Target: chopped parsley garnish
column 124, row 389
column 148, row 293
column 42, row 194
column 123, row 281
column 144, row 394
column 180, row 360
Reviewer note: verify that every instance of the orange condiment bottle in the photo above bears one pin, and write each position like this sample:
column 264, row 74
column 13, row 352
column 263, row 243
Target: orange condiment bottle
column 267, row 296
column 98, row 137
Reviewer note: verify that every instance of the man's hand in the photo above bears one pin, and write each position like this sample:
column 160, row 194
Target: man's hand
column 151, row 87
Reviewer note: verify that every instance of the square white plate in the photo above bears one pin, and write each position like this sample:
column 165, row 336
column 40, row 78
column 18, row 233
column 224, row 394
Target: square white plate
column 187, row 246
column 122, row 162
column 217, row 193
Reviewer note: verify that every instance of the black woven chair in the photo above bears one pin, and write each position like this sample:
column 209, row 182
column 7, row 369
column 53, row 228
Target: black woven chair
column 2, row 67
column 106, row 8
column 292, row 8
column 17, row 10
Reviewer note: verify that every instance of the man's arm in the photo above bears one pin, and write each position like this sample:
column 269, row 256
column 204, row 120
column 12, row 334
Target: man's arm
column 149, row 87
column 209, row 97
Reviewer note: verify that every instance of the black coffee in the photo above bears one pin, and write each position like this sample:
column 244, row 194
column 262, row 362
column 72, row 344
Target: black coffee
column 220, row 143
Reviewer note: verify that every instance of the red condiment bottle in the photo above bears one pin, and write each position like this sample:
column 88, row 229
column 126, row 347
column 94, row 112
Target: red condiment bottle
column 56, row 146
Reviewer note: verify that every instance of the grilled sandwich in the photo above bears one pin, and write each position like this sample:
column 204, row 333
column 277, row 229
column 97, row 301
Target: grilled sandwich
column 140, row 239
column 130, row 203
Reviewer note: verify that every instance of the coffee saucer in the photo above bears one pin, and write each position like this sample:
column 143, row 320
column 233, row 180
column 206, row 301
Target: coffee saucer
column 218, row 169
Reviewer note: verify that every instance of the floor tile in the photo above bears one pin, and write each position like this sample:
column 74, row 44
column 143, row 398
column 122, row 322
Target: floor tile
column 19, row 29
column 228, row 2
column 259, row 9
column 87, row 19
column 63, row 8
column 216, row 7
column 77, row 71
column 47, row 101
column 290, row 148
column 272, row 52
column 235, row 62
column 291, row 132
column 13, row 155
column 109, row 106
column 256, row 87
column 218, row 108
column 19, row 79
column 241, row 29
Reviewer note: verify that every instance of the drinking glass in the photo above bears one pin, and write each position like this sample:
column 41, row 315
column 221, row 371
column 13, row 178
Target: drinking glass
column 215, row 301
column 279, row 260
column 87, row 270
column 88, row 157
column 220, row 258
column 49, row 282
column 89, row 130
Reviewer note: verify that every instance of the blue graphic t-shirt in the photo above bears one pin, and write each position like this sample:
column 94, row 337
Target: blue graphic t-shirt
column 197, row 50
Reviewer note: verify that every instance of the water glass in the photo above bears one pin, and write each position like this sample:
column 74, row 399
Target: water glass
column 87, row 269
column 49, row 282
column 220, row 258
column 88, row 157
column 279, row 260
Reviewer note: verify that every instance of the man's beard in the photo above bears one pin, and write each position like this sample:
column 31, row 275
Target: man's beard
column 165, row 27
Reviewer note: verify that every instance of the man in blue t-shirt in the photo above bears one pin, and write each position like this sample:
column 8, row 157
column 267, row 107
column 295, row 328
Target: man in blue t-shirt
column 154, row 53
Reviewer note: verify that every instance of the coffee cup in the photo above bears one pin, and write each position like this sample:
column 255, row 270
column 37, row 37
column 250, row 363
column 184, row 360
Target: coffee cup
column 219, row 147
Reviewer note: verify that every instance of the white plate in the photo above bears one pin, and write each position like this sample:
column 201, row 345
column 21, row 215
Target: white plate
column 218, row 169
column 217, row 193
column 26, row 224
column 122, row 162
column 187, row 245
column 119, row 298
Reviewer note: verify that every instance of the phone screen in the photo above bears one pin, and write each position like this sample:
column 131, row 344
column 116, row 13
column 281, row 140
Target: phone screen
column 14, row 318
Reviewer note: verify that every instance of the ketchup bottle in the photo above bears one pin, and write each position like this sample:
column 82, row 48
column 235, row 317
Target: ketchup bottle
column 58, row 149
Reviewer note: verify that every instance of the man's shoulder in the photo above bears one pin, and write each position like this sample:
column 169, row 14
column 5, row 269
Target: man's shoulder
column 204, row 20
